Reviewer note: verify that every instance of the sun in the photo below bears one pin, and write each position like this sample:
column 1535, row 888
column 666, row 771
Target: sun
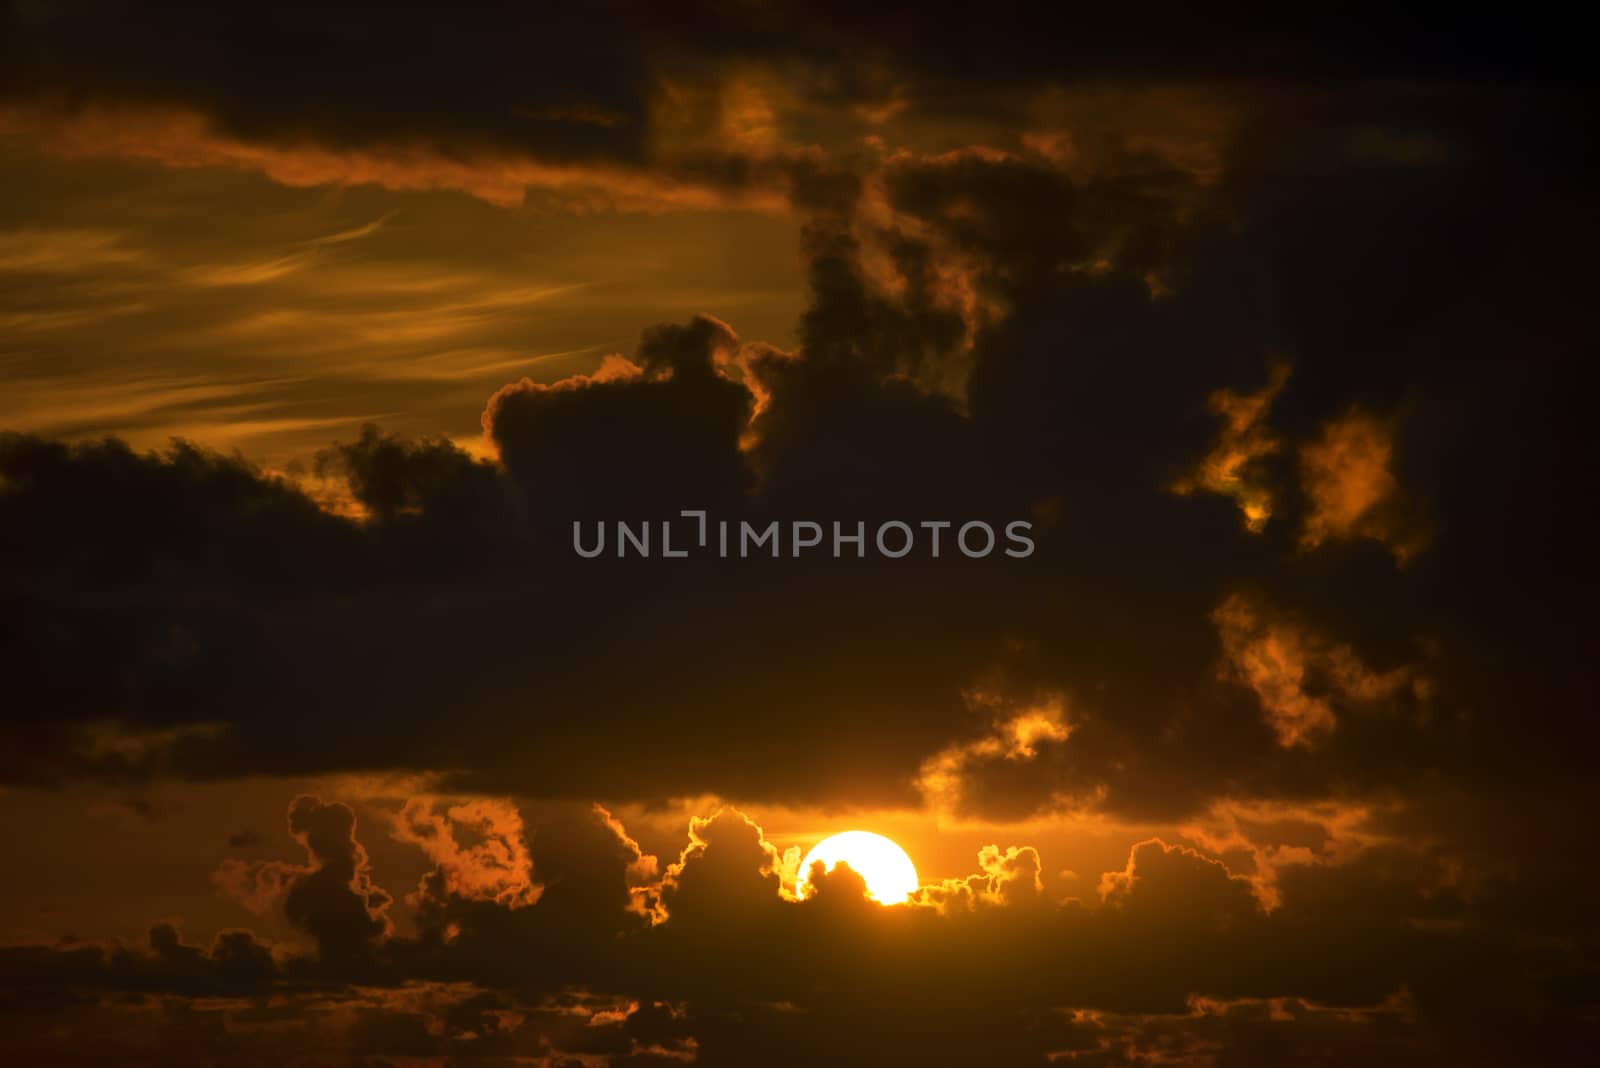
column 887, row 871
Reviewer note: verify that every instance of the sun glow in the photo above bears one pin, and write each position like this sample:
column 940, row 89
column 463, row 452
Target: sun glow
column 888, row 872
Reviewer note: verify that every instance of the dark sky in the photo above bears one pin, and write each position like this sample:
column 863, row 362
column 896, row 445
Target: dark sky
column 320, row 330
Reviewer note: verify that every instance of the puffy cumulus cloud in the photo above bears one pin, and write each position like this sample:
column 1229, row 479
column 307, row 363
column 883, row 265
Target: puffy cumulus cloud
column 594, row 892
column 1004, row 878
column 332, row 897
column 727, row 870
column 1176, row 885
column 660, row 432
column 336, row 901
column 682, row 415
column 477, row 846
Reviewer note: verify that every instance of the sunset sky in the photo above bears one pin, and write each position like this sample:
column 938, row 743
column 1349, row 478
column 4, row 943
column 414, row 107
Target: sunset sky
column 320, row 330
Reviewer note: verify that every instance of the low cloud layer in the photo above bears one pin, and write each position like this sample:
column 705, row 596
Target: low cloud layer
column 711, row 957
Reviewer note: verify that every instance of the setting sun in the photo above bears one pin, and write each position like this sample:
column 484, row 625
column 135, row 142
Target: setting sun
column 888, row 872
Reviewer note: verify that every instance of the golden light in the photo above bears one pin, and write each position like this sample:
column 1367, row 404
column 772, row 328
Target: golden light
column 884, row 866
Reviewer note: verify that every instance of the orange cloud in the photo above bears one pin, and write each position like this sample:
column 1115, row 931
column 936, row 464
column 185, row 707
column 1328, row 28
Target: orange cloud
column 187, row 139
column 1016, row 738
column 1348, row 478
column 495, row 866
column 332, row 896
column 1175, row 886
column 1271, row 836
column 644, row 870
column 1011, row 877
column 1231, row 467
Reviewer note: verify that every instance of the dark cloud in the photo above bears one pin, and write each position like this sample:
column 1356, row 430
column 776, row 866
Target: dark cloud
column 234, row 964
column 339, row 72
column 988, row 337
column 591, row 102
column 331, row 897
column 720, row 960
column 661, row 432
column 336, row 901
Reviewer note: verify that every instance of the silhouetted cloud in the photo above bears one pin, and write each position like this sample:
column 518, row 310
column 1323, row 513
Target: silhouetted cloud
column 725, row 953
